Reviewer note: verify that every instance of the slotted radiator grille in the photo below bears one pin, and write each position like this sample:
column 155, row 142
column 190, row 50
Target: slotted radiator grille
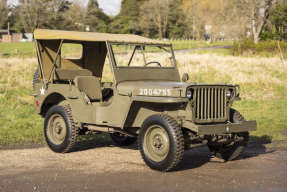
column 209, row 104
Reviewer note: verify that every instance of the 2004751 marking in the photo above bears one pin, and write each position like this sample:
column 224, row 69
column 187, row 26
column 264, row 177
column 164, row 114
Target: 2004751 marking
column 156, row 92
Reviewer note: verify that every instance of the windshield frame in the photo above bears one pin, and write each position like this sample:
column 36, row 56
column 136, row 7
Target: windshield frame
column 143, row 52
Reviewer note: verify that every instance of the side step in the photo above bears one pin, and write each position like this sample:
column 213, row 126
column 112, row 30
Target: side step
column 106, row 129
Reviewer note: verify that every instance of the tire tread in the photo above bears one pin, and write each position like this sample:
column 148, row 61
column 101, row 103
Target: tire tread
column 176, row 133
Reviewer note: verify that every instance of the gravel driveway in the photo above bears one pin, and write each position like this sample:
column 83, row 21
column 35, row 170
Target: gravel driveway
column 110, row 168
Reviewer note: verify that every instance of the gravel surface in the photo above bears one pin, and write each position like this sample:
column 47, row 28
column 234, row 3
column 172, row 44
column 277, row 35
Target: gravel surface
column 110, row 168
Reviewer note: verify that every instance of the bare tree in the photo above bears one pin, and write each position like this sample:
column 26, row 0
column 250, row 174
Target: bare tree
column 32, row 14
column 230, row 18
column 155, row 15
column 257, row 13
column 3, row 12
column 217, row 18
column 42, row 13
column 76, row 16
column 257, row 27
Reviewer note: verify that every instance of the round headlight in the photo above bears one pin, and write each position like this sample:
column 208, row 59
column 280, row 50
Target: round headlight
column 189, row 94
column 228, row 94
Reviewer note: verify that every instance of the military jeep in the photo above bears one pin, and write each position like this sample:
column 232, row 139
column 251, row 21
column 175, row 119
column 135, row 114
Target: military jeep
column 142, row 98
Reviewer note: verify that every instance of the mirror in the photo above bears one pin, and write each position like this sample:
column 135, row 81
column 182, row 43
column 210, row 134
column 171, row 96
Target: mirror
column 185, row 77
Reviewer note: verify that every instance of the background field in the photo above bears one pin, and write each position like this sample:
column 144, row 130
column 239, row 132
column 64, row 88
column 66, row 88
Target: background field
column 262, row 79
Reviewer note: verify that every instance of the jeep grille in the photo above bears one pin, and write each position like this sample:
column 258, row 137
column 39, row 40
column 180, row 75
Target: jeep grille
column 209, row 104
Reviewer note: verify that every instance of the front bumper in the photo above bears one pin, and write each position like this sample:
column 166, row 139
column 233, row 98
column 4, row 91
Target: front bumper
column 221, row 128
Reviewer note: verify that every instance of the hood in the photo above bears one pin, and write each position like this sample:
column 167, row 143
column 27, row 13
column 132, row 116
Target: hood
column 153, row 88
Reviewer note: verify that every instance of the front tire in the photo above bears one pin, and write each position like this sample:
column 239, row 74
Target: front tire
column 60, row 130
column 231, row 151
column 161, row 142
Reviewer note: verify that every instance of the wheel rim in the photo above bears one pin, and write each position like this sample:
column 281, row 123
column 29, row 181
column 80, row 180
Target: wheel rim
column 57, row 129
column 156, row 143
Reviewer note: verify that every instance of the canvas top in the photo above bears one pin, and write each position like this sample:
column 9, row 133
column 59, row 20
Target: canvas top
column 45, row 34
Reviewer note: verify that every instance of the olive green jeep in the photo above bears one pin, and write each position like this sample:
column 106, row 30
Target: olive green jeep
column 129, row 86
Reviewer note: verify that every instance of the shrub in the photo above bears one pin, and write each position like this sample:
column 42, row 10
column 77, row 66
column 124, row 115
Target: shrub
column 263, row 48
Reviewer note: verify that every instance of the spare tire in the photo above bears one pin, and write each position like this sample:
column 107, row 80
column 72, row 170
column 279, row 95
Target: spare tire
column 35, row 79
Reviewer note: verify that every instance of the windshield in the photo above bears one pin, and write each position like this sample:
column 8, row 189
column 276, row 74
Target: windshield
column 131, row 55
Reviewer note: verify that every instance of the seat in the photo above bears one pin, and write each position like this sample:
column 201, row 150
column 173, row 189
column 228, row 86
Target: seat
column 91, row 86
column 71, row 74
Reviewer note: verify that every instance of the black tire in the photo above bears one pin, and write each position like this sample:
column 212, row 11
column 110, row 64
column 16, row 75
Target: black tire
column 229, row 152
column 122, row 140
column 35, row 79
column 175, row 138
column 71, row 133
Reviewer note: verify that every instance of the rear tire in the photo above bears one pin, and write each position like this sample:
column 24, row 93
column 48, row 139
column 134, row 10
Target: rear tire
column 231, row 151
column 60, row 130
column 161, row 143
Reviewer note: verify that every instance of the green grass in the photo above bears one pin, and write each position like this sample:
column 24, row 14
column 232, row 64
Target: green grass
column 19, row 123
column 192, row 44
column 269, row 116
column 220, row 51
column 22, row 49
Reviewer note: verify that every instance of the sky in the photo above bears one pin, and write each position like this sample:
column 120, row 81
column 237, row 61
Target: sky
column 110, row 7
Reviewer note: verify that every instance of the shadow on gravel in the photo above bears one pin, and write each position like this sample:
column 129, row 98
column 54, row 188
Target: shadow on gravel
column 256, row 147
column 97, row 141
column 193, row 158
column 197, row 157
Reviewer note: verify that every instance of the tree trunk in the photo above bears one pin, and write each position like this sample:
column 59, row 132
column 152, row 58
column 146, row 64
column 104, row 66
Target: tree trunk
column 254, row 27
column 257, row 29
column 160, row 30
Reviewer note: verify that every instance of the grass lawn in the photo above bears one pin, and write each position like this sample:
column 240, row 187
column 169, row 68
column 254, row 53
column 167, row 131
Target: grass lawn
column 21, row 49
column 192, row 44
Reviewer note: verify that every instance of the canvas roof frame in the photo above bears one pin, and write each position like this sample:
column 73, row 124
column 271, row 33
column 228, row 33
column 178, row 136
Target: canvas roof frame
column 108, row 46
column 45, row 34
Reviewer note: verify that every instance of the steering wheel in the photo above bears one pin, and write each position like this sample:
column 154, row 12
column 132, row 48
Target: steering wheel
column 158, row 63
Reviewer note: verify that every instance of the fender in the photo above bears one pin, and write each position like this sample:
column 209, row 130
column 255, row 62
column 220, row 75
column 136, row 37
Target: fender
column 53, row 95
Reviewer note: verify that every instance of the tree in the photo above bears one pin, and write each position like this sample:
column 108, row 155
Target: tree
column 279, row 20
column 218, row 18
column 96, row 19
column 56, row 15
column 258, row 21
column 155, row 14
column 75, row 17
column 163, row 17
column 257, row 12
column 128, row 19
column 31, row 14
column 177, row 22
column 3, row 12
column 42, row 13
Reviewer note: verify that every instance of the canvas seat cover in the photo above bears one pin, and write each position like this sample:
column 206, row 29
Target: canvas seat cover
column 91, row 86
